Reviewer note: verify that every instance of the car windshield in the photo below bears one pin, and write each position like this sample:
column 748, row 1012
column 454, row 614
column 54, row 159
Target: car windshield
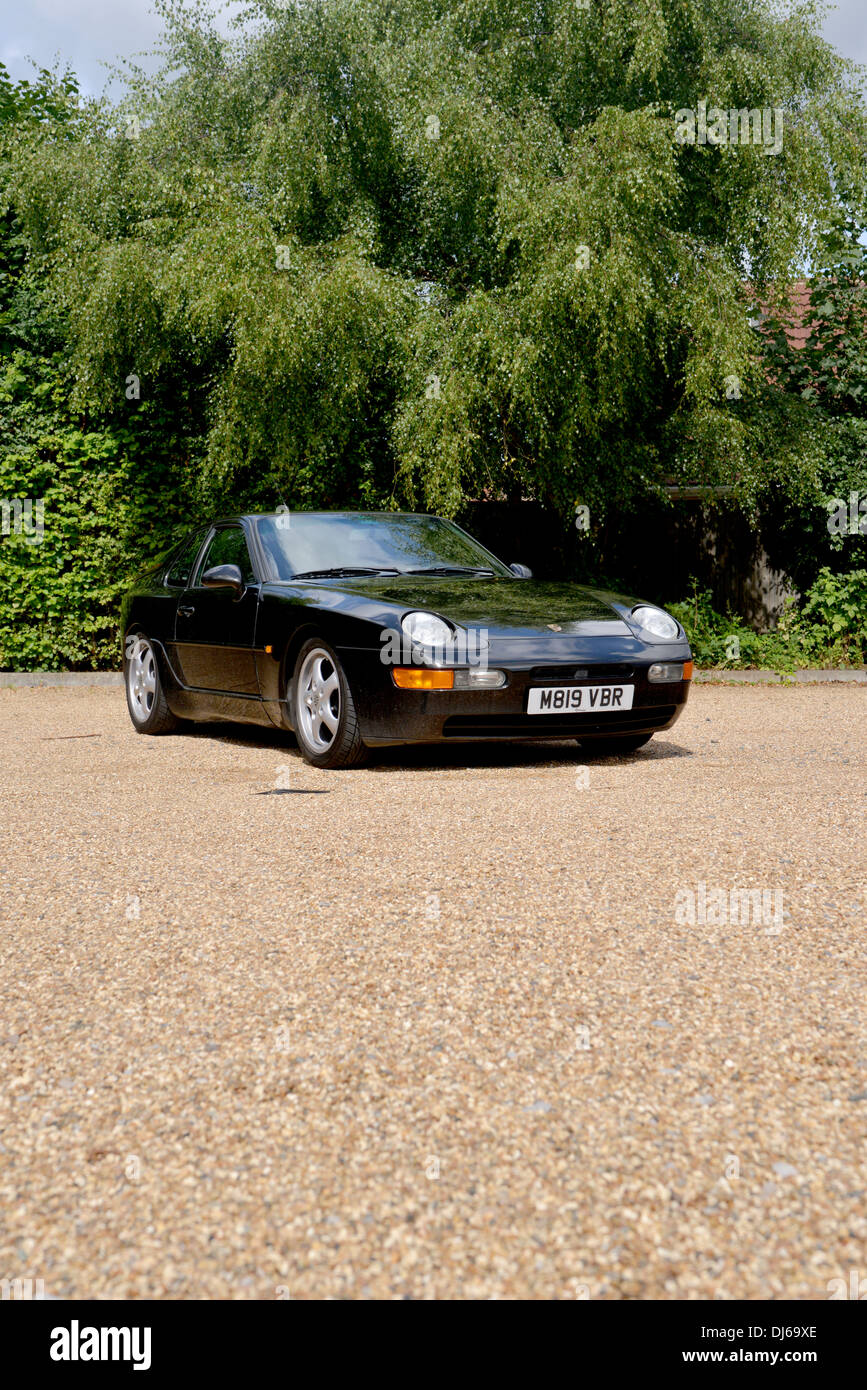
column 308, row 543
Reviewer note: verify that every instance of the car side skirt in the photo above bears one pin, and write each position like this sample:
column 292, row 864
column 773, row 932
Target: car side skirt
column 207, row 706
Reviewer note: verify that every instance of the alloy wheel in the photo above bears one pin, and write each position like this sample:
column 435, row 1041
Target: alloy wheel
column 318, row 700
column 141, row 679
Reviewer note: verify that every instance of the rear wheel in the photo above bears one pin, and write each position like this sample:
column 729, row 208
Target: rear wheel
column 145, row 698
column 323, row 711
column 612, row 746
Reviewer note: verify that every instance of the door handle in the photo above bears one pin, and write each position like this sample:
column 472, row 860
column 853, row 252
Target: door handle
column 185, row 611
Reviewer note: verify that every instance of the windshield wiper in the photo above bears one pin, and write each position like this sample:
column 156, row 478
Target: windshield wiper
column 453, row 569
column 343, row 572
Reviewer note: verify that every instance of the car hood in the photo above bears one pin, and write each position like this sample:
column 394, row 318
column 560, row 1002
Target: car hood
column 513, row 605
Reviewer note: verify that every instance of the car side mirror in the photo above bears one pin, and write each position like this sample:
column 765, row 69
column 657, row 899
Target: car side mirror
column 224, row 577
column 521, row 571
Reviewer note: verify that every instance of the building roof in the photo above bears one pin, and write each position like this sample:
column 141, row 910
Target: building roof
column 795, row 315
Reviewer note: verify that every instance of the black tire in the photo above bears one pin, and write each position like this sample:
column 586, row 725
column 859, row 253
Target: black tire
column 610, row 747
column 145, row 697
column 322, row 712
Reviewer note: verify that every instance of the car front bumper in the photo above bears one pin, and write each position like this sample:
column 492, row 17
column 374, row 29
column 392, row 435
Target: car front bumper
column 388, row 715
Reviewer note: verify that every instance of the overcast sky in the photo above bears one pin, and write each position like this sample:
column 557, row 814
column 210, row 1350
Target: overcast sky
column 88, row 33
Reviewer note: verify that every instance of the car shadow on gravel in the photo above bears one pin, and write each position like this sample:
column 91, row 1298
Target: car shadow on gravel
column 651, row 752
column 241, row 735
column 494, row 755
column 442, row 755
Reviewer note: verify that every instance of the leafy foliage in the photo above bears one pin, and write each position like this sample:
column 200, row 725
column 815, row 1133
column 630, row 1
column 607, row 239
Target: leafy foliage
column 110, row 502
column 831, row 369
column 826, row 628
column 836, row 611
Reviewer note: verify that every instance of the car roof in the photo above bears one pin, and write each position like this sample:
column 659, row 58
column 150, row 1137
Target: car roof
column 298, row 511
column 264, row 516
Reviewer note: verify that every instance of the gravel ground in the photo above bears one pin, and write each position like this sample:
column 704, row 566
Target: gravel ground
column 442, row 1027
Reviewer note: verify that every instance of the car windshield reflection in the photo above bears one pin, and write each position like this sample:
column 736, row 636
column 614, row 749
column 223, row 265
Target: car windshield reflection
column 337, row 545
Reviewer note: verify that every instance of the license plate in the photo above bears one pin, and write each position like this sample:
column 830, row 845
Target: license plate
column 580, row 699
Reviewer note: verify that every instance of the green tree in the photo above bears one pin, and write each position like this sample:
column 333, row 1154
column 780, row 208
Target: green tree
column 406, row 253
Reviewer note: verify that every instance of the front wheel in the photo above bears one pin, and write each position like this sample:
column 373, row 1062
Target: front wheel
column 323, row 711
column 145, row 697
column 610, row 747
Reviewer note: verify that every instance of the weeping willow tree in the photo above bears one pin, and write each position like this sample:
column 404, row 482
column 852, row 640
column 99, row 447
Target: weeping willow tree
column 405, row 252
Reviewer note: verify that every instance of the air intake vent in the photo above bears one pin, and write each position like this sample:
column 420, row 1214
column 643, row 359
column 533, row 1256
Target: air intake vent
column 557, row 726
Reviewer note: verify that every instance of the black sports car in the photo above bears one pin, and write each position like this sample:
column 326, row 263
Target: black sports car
column 357, row 629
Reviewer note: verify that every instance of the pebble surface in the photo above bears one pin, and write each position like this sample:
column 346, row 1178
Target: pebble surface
column 455, row 1025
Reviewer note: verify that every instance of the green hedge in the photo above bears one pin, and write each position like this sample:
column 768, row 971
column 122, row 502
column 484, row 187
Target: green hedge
column 111, row 506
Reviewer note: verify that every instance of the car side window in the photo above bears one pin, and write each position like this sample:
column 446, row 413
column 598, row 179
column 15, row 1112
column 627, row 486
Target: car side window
column 178, row 576
column 228, row 546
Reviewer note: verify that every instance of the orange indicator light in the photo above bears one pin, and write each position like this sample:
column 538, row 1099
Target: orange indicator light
column 417, row 678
